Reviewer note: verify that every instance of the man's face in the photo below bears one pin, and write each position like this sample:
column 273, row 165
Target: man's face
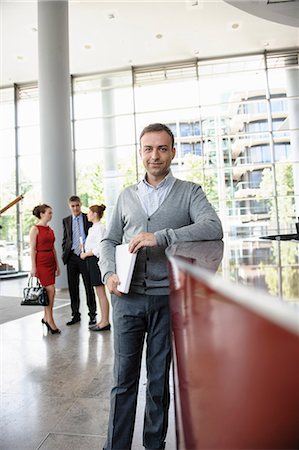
column 75, row 207
column 156, row 153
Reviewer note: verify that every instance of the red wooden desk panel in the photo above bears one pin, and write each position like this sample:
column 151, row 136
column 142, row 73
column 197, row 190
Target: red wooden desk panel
column 236, row 372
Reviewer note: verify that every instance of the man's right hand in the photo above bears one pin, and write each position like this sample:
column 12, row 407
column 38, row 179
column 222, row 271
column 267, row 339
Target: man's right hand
column 112, row 283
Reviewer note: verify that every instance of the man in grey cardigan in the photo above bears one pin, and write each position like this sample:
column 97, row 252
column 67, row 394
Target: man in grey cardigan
column 158, row 211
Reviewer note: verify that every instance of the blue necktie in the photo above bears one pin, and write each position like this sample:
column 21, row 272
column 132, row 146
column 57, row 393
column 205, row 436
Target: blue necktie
column 76, row 243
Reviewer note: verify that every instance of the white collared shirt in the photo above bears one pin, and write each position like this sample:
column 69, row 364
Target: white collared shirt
column 95, row 235
column 152, row 197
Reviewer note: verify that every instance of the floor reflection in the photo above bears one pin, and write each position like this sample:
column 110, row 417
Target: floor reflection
column 55, row 388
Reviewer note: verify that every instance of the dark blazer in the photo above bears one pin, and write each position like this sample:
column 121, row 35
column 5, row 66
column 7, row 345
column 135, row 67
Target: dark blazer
column 68, row 235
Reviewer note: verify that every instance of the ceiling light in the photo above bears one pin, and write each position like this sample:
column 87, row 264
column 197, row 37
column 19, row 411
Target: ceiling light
column 235, row 25
column 87, row 46
column 159, row 36
column 20, row 58
column 194, row 4
column 110, row 15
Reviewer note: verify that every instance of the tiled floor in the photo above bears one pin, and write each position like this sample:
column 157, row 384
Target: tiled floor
column 55, row 388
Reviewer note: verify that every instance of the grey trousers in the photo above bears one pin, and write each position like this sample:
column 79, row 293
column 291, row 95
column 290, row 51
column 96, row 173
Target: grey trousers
column 136, row 317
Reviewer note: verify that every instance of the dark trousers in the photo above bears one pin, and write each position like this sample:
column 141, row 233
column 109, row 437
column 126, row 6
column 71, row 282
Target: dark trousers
column 75, row 267
column 136, row 318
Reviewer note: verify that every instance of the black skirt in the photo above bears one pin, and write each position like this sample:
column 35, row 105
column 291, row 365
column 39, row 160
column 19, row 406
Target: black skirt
column 94, row 271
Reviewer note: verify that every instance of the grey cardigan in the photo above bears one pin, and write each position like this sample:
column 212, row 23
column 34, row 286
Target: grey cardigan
column 185, row 215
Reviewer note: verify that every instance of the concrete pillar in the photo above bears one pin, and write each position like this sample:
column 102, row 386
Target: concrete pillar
column 292, row 81
column 55, row 121
column 111, row 181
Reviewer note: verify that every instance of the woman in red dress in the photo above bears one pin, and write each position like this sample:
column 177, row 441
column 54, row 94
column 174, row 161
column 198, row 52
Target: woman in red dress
column 44, row 260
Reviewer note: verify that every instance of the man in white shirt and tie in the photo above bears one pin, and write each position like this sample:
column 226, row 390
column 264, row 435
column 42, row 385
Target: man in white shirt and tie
column 75, row 229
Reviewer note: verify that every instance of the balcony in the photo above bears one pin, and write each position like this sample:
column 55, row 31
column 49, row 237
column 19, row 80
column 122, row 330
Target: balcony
column 245, row 189
column 245, row 164
column 248, row 140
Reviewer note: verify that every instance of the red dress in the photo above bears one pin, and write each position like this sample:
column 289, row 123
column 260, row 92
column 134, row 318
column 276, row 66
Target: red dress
column 45, row 258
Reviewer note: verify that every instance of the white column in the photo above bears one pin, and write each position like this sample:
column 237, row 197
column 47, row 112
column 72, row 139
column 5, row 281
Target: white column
column 111, row 181
column 55, row 121
column 292, row 81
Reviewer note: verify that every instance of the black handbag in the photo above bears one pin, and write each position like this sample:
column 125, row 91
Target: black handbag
column 35, row 294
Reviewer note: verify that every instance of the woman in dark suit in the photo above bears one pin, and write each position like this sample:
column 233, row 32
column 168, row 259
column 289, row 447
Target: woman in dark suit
column 75, row 229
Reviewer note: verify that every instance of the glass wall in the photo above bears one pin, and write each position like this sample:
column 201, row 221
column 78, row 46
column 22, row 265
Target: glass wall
column 104, row 136
column 20, row 173
column 8, row 177
column 28, row 151
column 231, row 122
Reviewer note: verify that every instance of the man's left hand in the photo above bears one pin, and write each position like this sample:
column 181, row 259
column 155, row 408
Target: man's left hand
column 142, row 240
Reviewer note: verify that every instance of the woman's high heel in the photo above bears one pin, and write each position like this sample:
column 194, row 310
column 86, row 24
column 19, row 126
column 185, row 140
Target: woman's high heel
column 51, row 329
column 44, row 322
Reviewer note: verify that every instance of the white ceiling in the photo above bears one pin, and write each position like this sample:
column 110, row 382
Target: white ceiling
column 119, row 34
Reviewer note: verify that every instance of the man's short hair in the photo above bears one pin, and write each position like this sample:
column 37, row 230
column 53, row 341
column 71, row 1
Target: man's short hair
column 74, row 198
column 154, row 127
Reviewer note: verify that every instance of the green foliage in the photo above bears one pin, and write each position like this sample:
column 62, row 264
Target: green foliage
column 285, row 193
column 129, row 171
column 8, row 232
column 286, row 255
column 285, row 259
column 195, row 171
column 27, row 221
column 193, row 168
column 90, row 184
column 26, row 186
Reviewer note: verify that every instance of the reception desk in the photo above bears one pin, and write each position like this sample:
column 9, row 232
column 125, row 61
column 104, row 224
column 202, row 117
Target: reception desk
column 235, row 327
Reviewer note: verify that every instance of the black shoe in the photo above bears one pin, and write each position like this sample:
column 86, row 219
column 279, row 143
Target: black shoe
column 92, row 321
column 97, row 328
column 52, row 330
column 74, row 320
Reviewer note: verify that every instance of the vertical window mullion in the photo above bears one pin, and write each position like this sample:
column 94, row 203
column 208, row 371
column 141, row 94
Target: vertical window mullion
column 17, row 180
